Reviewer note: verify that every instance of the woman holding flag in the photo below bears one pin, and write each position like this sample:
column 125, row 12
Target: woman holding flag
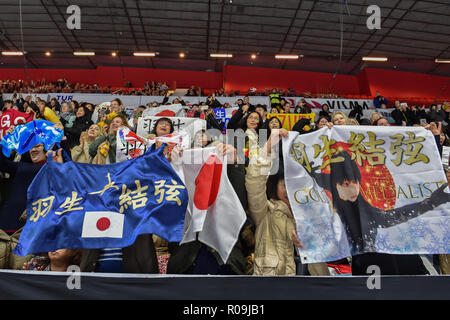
column 271, row 211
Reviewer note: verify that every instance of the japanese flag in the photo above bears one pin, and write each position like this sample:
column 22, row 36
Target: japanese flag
column 174, row 110
column 102, row 224
column 214, row 209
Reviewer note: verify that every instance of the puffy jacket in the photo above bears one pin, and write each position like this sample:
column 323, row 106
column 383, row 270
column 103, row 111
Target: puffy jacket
column 81, row 154
column 274, row 249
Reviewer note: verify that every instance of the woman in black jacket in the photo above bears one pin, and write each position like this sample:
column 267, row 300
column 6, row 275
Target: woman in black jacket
column 325, row 112
column 82, row 123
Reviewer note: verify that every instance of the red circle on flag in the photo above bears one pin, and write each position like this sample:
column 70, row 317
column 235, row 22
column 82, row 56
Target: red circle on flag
column 103, row 224
column 207, row 183
column 165, row 113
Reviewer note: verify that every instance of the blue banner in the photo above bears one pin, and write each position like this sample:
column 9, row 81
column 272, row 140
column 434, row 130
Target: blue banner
column 28, row 135
column 221, row 117
column 84, row 206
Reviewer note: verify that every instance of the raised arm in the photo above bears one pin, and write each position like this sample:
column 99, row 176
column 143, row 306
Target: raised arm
column 255, row 183
column 239, row 114
column 410, row 211
column 94, row 146
column 256, row 177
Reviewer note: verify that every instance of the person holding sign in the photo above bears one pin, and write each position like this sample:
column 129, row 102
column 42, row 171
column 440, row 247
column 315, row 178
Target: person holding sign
column 23, row 172
column 272, row 213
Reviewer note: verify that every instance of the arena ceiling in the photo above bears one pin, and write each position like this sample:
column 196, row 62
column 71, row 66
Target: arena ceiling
column 331, row 35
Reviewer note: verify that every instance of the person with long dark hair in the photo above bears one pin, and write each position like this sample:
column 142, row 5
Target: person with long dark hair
column 82, row 123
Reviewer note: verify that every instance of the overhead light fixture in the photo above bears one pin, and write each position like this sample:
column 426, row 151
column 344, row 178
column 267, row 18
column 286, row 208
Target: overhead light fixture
column 144, row 54
column 286, row 56
column 12, row 53
column 221, row 55
column 379, row 59
column 84, row 53
column 441, row 60
column 48, row 53
column 182, row 55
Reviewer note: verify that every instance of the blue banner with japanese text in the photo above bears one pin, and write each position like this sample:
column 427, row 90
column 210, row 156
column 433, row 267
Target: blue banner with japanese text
column 84, row 206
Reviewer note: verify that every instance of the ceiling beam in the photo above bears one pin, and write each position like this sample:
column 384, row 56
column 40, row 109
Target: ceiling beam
column 217, row 67
column 392, row 28
column 130, row 24
column 5, row 35
column 270, row 32
column 290, row 26
column 208, row 28
column 360, row 64
column 437, row 57
column 60, row 31
column 301, row 31
column 270, row 51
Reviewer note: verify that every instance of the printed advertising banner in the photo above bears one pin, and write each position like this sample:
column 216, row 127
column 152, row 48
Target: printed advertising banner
column 289, row 120
column 333, row 103
column 135, row 101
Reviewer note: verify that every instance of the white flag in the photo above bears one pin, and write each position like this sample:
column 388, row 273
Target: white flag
column 174, row 110
column 214, row 208
column 102, row 224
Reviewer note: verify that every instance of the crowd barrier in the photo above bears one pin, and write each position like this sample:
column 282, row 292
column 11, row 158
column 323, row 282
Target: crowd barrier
column 55, row 285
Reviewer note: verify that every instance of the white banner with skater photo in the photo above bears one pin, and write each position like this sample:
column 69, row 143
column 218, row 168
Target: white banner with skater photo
column 358, row 189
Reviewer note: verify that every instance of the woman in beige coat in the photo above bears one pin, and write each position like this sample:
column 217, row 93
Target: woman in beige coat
column 80, row 153
column 271, row 211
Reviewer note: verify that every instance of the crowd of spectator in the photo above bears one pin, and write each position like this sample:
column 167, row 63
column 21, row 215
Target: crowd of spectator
column 258, row 251
column 151, row 88
column 64, row 86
